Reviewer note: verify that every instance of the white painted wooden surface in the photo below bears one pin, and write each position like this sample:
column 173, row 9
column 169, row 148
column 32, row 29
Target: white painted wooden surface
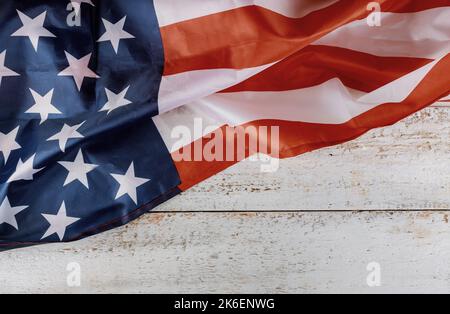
column 406, row 166
column 243, row 231
column 248, row 253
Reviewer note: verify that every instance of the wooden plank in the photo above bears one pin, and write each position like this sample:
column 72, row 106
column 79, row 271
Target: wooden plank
column 247, row 253
column 400, row 167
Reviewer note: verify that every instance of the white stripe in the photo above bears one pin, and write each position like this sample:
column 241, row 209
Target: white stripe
column 399, row 90
column 174, row 11
column 183, row 117
column 423, row 34
column 328, row 103
column 184, row 88
column 446, row 98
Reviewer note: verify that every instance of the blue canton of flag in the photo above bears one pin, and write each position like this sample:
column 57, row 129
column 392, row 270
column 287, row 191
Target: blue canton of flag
column 79, row 151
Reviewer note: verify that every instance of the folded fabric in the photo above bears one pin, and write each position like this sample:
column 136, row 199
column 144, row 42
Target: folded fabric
column 111, row 108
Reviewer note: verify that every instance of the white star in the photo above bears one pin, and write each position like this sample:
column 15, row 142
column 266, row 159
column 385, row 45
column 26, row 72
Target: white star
column 79, row 69
column 8, row 143
column 8, row 213
column 24, row 170
column 33, row 28
column 115, row 101
column 43, row 105
column 59, row 223
column 78, row 170
column 4, row 71
column 115, row 33
column 66, row 133
column 129, row 183
column 76, row 4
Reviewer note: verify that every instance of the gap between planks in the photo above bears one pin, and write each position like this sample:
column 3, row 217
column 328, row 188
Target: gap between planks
column 290, row 211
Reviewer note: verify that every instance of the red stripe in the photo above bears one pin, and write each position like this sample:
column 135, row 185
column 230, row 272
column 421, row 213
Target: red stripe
column 253, row 36
column 298, row 137
column 316, row 65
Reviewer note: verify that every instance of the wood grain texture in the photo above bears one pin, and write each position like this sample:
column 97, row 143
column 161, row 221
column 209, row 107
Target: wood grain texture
column 246, row 253
column 405, row 166
column 244, row 231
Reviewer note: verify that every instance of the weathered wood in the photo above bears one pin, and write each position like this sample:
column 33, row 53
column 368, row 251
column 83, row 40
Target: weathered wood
column 246, row 252
column 399, row 167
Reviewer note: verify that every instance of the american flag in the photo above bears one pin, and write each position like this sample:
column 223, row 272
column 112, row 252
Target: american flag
column 91, row 92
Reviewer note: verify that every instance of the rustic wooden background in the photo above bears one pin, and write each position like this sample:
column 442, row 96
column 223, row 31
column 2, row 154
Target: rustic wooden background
column 313, row 226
